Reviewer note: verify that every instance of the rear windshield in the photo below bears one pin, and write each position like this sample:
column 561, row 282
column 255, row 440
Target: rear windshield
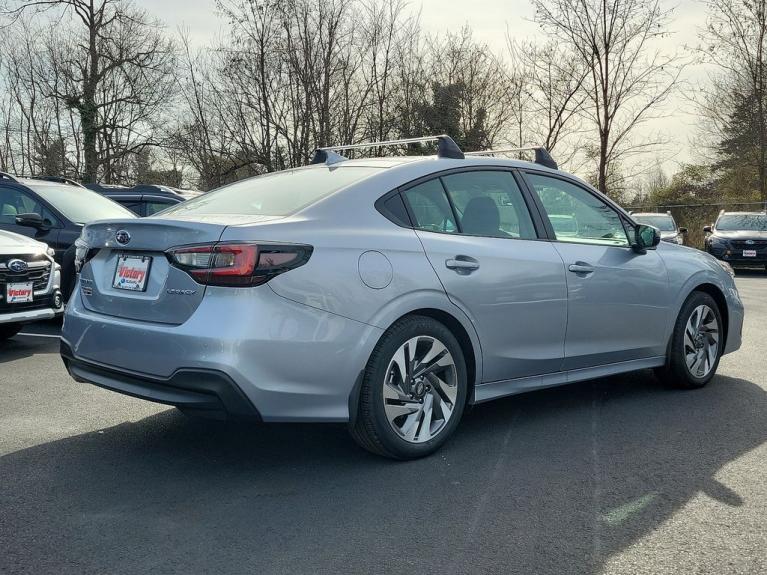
column 275, row 194
column 745, row 222
column 80, row 205
column 663, row 223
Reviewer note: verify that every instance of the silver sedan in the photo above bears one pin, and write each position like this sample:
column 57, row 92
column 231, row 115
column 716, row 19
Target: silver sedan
column 390, row 293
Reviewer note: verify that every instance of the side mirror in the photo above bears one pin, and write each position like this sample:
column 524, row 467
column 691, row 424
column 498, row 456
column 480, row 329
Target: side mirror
column 647, row 237
column 30, row 220
column 707, row 229
column 682, row 230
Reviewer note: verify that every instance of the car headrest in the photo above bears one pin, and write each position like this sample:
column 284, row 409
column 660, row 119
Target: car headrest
column 481, row 217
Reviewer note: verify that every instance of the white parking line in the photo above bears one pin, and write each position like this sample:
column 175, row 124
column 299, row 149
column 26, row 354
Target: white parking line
column 39, row 335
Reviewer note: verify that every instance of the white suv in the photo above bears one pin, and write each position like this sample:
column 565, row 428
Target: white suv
column 30, row 283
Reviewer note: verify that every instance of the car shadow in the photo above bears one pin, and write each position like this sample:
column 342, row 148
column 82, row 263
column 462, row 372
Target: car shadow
column 19, row 347
column 555, row 481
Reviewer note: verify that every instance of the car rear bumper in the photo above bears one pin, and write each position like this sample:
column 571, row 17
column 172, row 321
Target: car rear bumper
column 291, row 362
column 203, row 392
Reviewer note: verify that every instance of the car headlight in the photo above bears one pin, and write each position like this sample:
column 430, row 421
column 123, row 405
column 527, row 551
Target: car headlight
column 51, row 252
column 718, row 242
column 726, row 267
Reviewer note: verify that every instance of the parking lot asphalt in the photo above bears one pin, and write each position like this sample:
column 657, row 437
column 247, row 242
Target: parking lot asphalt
column 618, row 475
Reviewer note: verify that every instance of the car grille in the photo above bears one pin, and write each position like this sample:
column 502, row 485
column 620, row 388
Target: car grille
column 743, row 245
column 38, row 273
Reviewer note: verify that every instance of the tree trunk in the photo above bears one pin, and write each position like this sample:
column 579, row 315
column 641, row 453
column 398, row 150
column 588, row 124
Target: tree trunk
column 602, row 179
column 88, row 109
column 88, row 122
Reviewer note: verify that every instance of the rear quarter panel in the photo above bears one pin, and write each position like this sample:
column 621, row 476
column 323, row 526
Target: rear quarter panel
column 363, row 266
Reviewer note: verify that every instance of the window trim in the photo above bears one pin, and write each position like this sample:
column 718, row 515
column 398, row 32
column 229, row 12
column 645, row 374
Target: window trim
column 380, row 206
column 532, row 208
column 622, row 214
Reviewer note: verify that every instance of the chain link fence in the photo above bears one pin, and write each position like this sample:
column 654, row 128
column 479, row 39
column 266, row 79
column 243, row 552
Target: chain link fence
column 695, row 216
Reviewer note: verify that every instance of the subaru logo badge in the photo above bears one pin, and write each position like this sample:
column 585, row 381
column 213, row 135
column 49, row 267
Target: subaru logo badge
column 122, row 237
column 17, row 266
column 750, row 242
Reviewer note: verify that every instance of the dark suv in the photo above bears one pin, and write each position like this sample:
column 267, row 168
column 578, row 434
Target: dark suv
column 142, row 199
column 53, row 212
column 739, row 238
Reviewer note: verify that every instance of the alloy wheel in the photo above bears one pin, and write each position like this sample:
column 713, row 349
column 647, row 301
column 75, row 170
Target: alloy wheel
column 701, row 341
column 420, row 389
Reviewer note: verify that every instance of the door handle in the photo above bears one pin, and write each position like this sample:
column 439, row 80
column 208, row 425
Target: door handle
column 462, row 264
column 581, row 268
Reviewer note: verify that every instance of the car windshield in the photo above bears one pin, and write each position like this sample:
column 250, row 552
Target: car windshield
column 742, row 222
column 80, row 205
column 275, row 194
column 663, row 222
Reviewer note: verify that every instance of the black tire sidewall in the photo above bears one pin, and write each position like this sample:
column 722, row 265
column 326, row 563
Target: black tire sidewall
column 376, row 373
column 677, row 362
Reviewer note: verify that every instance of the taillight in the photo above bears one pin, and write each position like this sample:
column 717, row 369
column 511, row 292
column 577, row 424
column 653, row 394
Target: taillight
column 238, row 264
column 83, row 254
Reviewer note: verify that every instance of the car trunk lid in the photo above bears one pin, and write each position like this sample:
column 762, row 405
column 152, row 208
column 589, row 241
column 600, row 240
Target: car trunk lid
column 129, row 276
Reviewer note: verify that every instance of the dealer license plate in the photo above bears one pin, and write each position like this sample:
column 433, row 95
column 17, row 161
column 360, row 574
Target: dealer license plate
column 132, row 272
column 19, row 293
column 749, row 253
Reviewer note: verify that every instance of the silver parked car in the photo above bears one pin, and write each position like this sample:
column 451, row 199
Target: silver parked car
column 390, row 293
column 669, row 230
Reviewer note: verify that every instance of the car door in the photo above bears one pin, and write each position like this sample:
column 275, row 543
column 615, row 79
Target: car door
column 13, row 202
column 480, row 237
column 618, row 299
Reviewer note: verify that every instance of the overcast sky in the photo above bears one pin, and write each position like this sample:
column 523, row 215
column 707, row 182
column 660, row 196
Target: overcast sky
column 490, row 21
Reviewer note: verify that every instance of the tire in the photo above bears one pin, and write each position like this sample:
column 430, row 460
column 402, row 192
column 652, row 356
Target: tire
column 393, row 411
column 692, row 362
column 8, row 330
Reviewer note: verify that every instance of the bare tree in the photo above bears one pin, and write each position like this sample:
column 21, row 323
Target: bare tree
column 735, row 40
column 628, row 78
column 36, row 127
column 117, row 68
column 549, row 94
column 472, row 84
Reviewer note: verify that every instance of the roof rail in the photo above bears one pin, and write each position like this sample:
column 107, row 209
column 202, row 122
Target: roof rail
column 542, row 155
column 7, row 176
column 59, row 179
column 446, row 148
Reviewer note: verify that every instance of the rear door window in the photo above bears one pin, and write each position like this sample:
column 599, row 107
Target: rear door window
column 430, row 208
column 489, row 203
